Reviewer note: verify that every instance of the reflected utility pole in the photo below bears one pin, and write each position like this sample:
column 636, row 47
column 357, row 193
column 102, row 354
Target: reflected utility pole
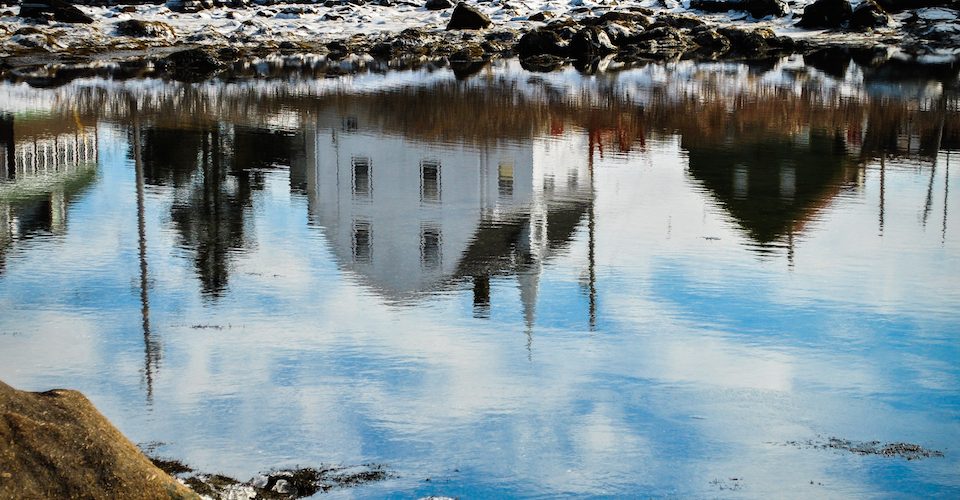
column 151, row 350
column 946, row 194
column 883, row 185
column 942, row 109
column 591, row 239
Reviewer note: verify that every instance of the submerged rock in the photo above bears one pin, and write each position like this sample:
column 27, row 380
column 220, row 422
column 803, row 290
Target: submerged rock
column 467, row 17
column 826, row 14
column 55, row 10
column 55, row 444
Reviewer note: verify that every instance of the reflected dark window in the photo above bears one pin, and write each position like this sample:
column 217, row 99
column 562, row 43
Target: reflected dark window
column 430, row 255
column 741, row 182
column 350, row 124
column 505, row 180
column 430, row 181
column 362, row 182
column 362, row 242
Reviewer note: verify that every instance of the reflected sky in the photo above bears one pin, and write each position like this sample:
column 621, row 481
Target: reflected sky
column 514, row 285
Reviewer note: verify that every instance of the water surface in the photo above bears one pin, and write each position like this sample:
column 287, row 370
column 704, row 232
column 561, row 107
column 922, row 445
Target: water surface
column 638, row 283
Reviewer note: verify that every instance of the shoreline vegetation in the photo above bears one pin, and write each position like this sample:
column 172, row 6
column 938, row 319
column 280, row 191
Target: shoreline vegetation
column 196, row 40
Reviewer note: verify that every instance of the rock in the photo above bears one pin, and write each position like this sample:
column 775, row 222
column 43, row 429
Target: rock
column 55, row 444
column 192, row 64
column 826, row 14
column 188, row 6
column 621, row 34
column 57, row 10
column 540, row 16
column 438, row 4
column 467, row 17
column 591, row 42
column 710, row 38
column 469, row 53
column 902, row 5
column 750, row 41
column 680, row 21
column 541, row 42
column 145, row 29
column 868, row 15
column 757, row 8
column 833, row 61
column 127, row 9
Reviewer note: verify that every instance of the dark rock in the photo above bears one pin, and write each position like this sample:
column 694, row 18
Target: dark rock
column 750, row 41
column 869, row 57
column 144, row 29
column 540, row 42
column 58, row 10
column 902, row 5
column 469, row 53
column 591, row 42
column 127, row 9
column 826, row 14
column 621, row 34
column 189, row 6
column 868, row 15
column 710, row 38
column 663, row 35
column 467, row 17
column 632, row 17
column 338, row 49
column 540, row 16
column 680, row 21
column 438, row 4
column 192, row 64
column 757, row 8
column 464, row 70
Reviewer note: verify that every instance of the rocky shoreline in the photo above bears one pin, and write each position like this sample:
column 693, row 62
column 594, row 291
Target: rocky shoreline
column 51, row 42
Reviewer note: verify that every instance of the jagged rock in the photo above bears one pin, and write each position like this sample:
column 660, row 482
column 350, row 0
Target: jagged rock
column 469, row 53
column 539, row 42
column 56, row 10
column 625, row 17
column 591, row 42
column 438, row 4
column 663, row 35
column 467, row 17
column 757, row 8
column 750, row 41
column 826, row 14
column 145, row 29
column 540, row 16
column 868, row 15
column 680, row 21
column 710, row 38
column 189, row 6
column 621, row 34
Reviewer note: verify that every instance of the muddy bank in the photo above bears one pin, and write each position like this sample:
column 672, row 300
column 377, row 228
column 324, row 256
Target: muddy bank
column 55, row 444
column 192, row 40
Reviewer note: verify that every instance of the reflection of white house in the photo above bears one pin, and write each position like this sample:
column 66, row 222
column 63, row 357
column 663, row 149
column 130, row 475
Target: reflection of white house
column 408, row 217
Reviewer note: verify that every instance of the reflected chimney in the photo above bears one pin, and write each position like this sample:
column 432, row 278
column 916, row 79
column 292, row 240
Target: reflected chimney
column 481, row 296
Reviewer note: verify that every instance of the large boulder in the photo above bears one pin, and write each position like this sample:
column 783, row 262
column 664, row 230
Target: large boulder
column 55, row 10
column 757, row 8
column 826, row 14
column 438, row 4
column 55, row 444
column 145, row 29
column 868, row 15
column 467, row 17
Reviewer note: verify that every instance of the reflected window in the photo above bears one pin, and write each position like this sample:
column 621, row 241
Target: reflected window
column 741, row 182
column 505, row 180
column 430, row 181
column 549, row 184
column 430, row 251
column 350, row 123
column 362, row 242
column 362, row 181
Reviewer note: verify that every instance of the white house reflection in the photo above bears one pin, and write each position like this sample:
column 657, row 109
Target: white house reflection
column 409, row 218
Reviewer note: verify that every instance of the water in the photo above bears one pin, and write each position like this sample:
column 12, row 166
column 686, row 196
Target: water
column 644, row 283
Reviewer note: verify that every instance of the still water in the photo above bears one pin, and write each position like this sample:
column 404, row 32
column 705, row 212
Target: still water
column 646, row 282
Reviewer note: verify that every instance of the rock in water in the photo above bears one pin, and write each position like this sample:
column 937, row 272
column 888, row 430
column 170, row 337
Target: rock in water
column 189, row 6
column 541, row 42
column 55, row 444
column 591, row 42
column 58, row 10
column 438, row 4
column 192, row 64
column 757, row 8
column 467, row 17
column 868, row 15
column 826, row 14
